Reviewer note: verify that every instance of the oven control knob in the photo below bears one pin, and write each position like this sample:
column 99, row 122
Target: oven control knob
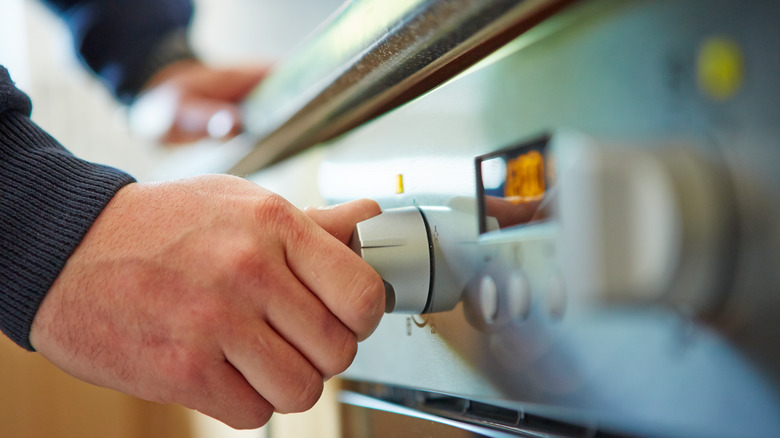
column 426, row 255
column 396, row 244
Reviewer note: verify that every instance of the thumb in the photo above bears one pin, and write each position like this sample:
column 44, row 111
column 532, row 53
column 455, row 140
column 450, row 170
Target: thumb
column 340, row 220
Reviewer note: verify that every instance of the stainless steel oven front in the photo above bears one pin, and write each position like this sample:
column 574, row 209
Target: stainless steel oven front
column 581, row 226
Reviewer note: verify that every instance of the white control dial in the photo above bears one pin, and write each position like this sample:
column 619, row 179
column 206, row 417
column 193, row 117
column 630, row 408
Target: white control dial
column 396, row 244
column 425, row 255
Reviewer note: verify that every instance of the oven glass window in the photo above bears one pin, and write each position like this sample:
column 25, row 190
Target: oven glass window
column 514, row 185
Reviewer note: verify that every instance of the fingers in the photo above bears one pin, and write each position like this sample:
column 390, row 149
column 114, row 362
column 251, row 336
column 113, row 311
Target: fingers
column 304, row 321
column 228, row 397
column 196, row 78
column 340, row 220
column 298, row 341
column 208, row 102
column 231, row 84
column 273, row 367
column 189, row 101
column 164, row 115
column 345, row 283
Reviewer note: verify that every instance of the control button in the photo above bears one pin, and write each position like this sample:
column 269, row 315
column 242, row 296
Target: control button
column 555, row 296
column 488, row 298
column 518, row 295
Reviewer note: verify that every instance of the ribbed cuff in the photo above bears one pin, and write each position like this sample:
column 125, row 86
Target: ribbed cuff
column 48, row 201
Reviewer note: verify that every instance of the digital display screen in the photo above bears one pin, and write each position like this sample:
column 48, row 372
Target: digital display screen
column 514, row 185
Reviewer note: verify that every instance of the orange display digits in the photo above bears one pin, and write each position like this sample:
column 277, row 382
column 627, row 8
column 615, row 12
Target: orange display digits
column 525, row 178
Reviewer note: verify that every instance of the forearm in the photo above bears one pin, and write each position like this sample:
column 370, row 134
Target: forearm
column 48, row 201
column 126, row 42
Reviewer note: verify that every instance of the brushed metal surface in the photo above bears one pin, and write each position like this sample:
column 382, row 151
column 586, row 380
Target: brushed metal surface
column 373, row 56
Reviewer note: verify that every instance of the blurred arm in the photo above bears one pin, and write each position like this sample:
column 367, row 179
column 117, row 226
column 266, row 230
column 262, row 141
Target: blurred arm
column 126, row 42
column 139, row 49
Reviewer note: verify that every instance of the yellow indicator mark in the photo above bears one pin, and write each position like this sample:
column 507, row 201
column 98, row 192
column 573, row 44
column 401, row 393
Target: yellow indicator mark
column 720, row 68
column 399, row 188
column 525, row 177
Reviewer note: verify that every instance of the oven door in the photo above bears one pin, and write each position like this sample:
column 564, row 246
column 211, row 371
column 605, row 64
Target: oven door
column 437, row 416
column 363, row 416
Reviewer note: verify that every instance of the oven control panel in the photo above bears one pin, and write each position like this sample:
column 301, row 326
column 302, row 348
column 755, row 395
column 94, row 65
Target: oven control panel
column 625, row 224
column 602, row 224
column 586, row 225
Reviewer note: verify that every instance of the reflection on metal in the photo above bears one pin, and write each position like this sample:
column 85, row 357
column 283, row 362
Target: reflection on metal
column 364, row 416
column 514, row 185
column 374, row 56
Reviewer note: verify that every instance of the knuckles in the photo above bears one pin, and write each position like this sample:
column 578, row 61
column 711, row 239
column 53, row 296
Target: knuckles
column 339, row 350
column 340, row 345
column 255, row 418
column 273, row 210
column 250, row 414
column 302, row 394
column 244, row 267
column 342, row 358
column 368, row 303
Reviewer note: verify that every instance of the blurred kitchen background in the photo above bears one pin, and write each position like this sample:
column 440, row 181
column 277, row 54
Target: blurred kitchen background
column 36, row 399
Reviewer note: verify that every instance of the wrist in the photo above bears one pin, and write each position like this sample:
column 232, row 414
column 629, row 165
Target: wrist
column 171, row 51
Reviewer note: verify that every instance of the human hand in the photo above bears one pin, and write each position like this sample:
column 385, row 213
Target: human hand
column 213, row 293
column 189, row 101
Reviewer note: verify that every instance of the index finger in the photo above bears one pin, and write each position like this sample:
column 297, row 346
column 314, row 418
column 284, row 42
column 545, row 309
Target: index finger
column 340, row 220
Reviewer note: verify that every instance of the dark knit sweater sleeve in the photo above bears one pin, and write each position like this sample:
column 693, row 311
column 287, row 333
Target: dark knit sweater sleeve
column 48, row 201
column 125, row 42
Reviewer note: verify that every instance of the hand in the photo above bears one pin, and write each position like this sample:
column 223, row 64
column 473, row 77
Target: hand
column 189, row 101
column 213, row 293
